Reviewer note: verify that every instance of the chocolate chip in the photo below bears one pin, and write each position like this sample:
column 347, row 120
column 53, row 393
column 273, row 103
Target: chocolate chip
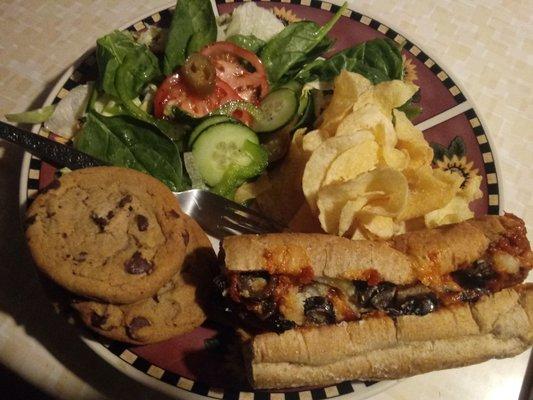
column 50, row 214
column 64, row 235
column 136, row 324
column 142, row 222
column 185, row 236
column 100, row 221
column 138, row 265
column 81, row 257
column 110, row 214
column 130, row 208
column 30, row 221
column 55, row 184
column 124, row 200
column 173, row 214
column 98, row 320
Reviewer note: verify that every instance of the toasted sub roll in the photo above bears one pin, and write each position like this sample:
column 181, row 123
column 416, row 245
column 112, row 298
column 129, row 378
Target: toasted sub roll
column 280, row 281
column 403, row 260
column 378, row 348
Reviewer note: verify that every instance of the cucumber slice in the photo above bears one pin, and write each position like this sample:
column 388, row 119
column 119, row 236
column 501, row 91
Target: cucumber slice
column 293, row 85
column 220, row 146
column 277, row 109
column 206, row 123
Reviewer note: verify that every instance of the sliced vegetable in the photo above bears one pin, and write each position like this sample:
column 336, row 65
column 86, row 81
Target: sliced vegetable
column 173, row 92
column 65, row 119
column 242, row 110
column 193, row 26
column 276, row 143
column 32, row 117
column 378, row 60
column 237, row 174
column 241, row 69
column 107, row 105
column 245, row 21
column 291, row 47
column 293, row 85
column 134, row 73
column 221, row 146
column 199, row 74
column 125, row 142
column 277, row 109
column 192, row 170
column 206, row 123
column 248, row 42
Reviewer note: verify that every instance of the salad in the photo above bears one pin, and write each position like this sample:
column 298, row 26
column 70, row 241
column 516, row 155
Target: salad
column 211, row 102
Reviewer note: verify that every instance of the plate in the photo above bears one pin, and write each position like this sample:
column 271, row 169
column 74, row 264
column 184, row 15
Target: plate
column 182, row 367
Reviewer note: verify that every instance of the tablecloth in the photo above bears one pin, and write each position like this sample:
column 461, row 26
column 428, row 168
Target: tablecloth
column 487, row 45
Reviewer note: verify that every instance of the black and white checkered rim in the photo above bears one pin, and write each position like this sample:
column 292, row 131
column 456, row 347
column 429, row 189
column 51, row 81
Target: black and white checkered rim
column 162, row 18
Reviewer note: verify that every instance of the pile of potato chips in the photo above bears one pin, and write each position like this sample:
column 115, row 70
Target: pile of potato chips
column 369, row 173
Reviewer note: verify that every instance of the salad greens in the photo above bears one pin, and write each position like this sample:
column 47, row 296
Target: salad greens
column 127, row 122
column 193, row 26
column 248, row 42
column 111, row 50
column 125, row 142
column 33, row 116
column 377, row 60
column 294, row 45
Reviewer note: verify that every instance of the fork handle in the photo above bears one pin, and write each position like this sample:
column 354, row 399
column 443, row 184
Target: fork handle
column 46, row 149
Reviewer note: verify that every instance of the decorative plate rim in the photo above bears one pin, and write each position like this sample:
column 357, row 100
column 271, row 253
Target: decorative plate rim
column 150, row 376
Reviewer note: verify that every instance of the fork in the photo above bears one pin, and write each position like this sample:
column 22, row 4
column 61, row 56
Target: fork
column 217, row 215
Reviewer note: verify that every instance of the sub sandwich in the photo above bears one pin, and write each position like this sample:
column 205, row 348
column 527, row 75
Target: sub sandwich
column 322, row 309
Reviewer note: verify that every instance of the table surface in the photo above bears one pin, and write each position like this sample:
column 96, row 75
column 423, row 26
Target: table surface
column 487, row 45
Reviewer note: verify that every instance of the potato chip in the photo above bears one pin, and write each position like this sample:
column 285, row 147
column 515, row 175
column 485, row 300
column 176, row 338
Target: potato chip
column 385, row 189
column 471, row 190
column 429, row 189
column 322, row 157
column 456, row 210
column 313, row 139
column 377, row 227
column 411, row 140
column 394, row 158
column 348, row 87
column 360, row 158
column 392, row 94
column 348, row 213
column 369, row 118
column 285, row 196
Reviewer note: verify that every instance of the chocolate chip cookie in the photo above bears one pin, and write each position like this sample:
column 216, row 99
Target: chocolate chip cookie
column 108, row 233
column 174, row 310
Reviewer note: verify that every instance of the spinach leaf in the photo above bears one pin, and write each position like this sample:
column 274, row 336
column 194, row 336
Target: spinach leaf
column 291, row 47
column 125, row 142
column 136, row 70
column 110, row 51
column 193, row 26
column 378, row 60
column 248, row 42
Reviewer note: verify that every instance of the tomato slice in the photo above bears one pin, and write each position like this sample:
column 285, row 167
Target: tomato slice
column 175, row 92
column 232, row 65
